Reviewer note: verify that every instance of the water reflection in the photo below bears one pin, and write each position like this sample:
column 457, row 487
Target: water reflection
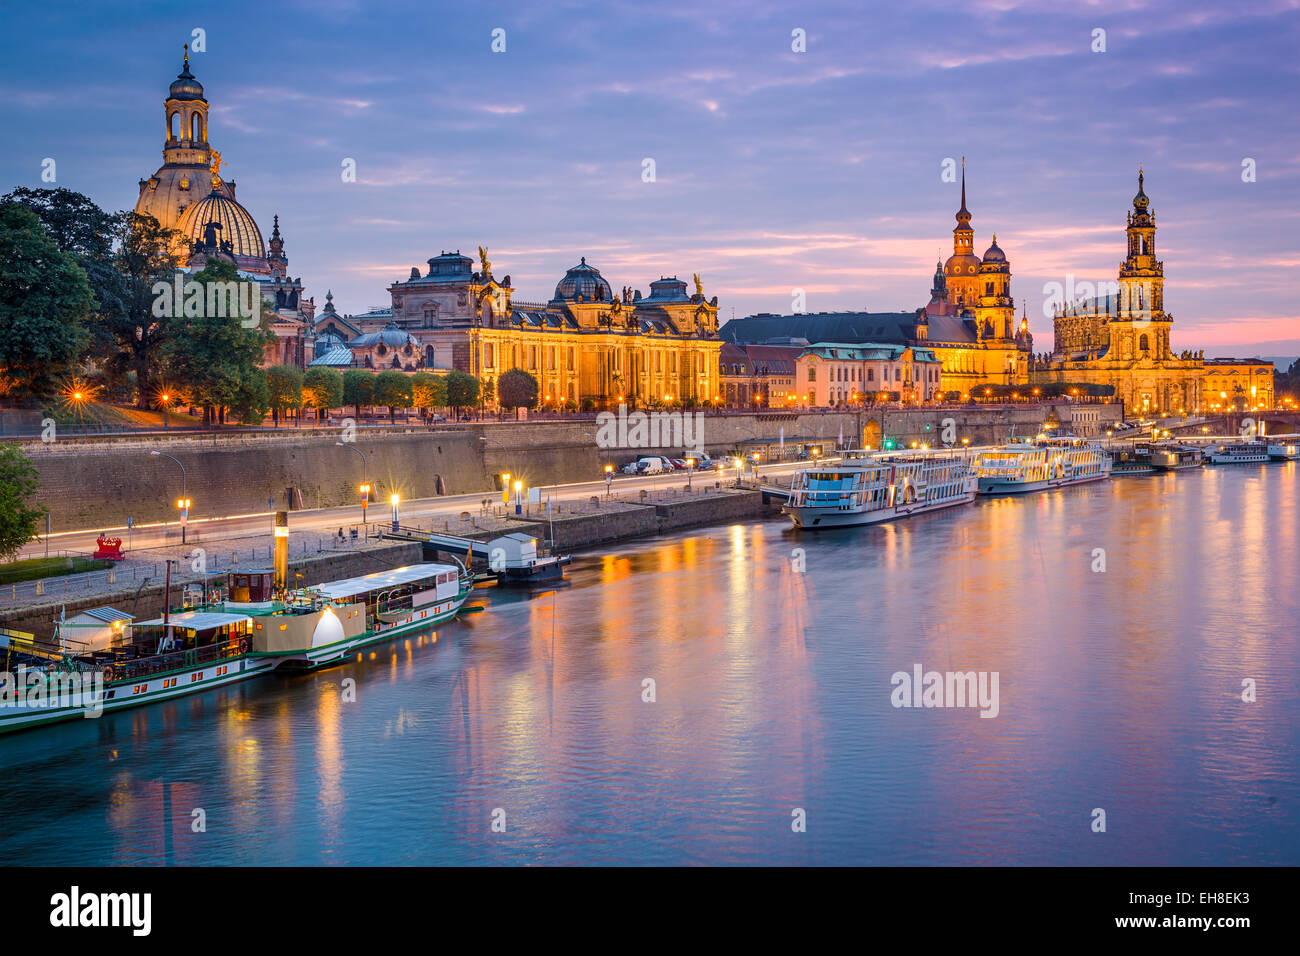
column 1120, row 688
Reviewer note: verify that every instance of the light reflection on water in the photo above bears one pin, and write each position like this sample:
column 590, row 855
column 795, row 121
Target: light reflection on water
column 1119, row 690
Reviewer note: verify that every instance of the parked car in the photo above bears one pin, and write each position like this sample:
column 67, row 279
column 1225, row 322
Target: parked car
column 678, row 463
column 631, row 467
column 650, row 465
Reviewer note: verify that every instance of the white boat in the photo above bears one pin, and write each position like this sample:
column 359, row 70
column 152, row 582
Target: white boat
column 1284, row 447
column 1023, row 467
column 867, row 488
column 1238, row 453
column 253, row 630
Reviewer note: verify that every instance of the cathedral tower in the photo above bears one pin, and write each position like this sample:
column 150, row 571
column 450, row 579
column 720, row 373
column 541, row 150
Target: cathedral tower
column 1140, row 328
column 961, row 272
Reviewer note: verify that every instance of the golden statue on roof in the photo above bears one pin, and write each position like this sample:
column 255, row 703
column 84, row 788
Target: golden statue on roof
column 217, row 163
column 483, row 261
column 699, row 286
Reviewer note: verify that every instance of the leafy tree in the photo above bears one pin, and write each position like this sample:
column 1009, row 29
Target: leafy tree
column 488, row 391
column 284, row 389
column 393, row 388
column 82, row 230
column 44, row 301
column 358, row 388
column 144, row 257
column 214, row 357
column 322, row 388
column 462, row 390
column 518, row 389
column 247, row 396
column 19, row 480
column 428, row 391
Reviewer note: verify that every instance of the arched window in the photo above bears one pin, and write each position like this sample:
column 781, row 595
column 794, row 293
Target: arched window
column 171, row 125
column 1142, row 343
column 196, row 128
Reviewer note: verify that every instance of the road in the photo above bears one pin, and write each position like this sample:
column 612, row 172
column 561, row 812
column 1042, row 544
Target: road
column 329, row 520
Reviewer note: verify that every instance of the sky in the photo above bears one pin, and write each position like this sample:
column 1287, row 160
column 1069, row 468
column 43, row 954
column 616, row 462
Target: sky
column 774, row 170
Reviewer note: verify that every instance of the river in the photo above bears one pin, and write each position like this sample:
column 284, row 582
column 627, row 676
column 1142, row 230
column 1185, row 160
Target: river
column 1118, row 690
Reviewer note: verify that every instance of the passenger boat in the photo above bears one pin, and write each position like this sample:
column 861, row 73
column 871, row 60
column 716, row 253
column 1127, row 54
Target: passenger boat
column 1176, row 457
column 1239, row 453
column 1018, row 468
column 1134, row 459
column 1284, row 447
column 251, row 630
column 867, row 488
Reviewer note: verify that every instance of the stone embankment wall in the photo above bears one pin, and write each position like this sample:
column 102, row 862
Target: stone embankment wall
column 88, row 483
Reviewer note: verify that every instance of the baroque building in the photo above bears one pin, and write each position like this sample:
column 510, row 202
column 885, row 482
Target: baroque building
column 1122, row 339
column 587, row 345
column 188, row 195
column 968, row 326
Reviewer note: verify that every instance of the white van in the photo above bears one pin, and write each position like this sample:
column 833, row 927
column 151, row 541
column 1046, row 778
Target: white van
column 650, row 465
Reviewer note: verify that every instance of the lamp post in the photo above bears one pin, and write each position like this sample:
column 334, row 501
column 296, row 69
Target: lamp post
column 609, row 477
column 690, row 470
column 394, row 499
column 364, row 487
column 519, row 502
column 165, row 399
column 183, row 503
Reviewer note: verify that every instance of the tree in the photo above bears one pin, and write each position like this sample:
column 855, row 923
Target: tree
column 283, row 389
column 215, row 357
column 44, row 301
column 428, row 391
column 488, row 392
column 248, row 396
column 393, row 388
column 358, row 388
column 462, row 390
column 518, row 389
column 82, row 230
column 144, row 258
column 19, row 480
column 322, row 389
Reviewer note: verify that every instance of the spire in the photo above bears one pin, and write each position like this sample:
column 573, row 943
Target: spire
column 185, row 73
column 963, row 214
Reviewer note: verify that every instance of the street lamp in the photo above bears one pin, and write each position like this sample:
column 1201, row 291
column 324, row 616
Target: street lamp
column 395, row 499
column 609, row 477
column 185, row 509
column 364, row 487
column 165, row 399
column 519, row 501
column 690, row 470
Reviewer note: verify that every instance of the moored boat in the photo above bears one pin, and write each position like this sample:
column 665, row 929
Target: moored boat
column 1176, row 457
column 1238, row 453
column 865, row 488
column 1019, row 468
column 252, row 630
column 1284, row 447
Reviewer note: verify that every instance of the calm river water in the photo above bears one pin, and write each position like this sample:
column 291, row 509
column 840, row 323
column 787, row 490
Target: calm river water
column 1118, row 690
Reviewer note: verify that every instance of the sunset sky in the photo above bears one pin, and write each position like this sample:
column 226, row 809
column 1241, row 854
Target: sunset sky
column 775, row 170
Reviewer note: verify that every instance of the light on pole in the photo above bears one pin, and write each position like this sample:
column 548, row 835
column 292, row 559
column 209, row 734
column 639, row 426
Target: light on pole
column 394, row 499
column 609, row 477
column 364, row 488
column 185, row 509
column 519, row 501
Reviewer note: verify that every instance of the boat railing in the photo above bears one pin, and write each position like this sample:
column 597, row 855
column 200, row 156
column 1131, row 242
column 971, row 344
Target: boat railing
column 134, row 668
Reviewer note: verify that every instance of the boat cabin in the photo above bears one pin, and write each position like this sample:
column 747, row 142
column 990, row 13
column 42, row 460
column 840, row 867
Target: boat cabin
column 254, row 586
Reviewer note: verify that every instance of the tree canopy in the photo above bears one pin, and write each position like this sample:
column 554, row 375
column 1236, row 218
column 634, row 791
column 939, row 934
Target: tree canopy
column 44, row 302
column 517, row 389
column 19, row 480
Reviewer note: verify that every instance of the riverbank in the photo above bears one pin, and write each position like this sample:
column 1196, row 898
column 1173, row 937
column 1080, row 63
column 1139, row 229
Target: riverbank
column 139, row 588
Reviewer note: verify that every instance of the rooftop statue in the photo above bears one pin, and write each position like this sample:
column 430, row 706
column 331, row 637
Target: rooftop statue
column 483, row 260
column 699, row 286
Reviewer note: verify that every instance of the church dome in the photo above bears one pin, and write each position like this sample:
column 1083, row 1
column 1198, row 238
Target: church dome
column 185, row 86
column 585, row 281
column 994, row 252
column 961, row 264
column 237, row 225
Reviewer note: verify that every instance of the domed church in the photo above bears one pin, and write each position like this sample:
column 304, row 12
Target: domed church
column 187, row 194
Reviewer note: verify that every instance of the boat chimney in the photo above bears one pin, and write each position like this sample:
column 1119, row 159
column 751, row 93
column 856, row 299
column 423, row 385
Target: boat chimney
column 281, row 549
